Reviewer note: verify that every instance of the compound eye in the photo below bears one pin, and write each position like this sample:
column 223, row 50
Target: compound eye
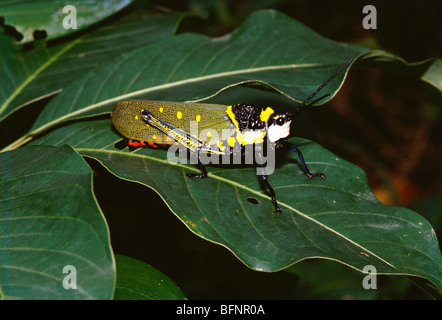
column 280, row 121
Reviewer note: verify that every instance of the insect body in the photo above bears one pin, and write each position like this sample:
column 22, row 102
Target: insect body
column 209, row 128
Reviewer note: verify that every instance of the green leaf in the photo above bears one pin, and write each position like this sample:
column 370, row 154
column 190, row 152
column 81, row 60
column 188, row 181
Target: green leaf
column 49, row 219
column 29, row 16
column 429, row 70
column 337, row 218
column 269, row 49
column 35, row 74
column 137, row 280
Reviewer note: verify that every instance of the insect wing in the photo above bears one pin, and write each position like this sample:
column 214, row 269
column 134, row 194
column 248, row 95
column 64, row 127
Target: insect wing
column 207, row 121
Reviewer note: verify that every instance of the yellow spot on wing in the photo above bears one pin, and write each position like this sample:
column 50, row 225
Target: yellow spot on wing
column 198, row 118
column 179, row 115
column 161, row 109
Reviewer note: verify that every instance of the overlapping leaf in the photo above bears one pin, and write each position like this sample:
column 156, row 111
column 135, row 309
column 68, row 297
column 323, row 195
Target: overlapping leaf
column 337, row 218
column 429, row 70
column 269, row 49
column 139, row 281
column 51, row 228
column 30, row 16
column 31, row 75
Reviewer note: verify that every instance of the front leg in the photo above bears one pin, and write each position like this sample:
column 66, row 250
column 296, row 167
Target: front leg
column 263, row 177
column 305, row 169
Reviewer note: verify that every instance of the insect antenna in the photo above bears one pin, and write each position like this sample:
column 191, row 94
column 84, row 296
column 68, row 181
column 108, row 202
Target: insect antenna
column 319, row 99
column 303, row 105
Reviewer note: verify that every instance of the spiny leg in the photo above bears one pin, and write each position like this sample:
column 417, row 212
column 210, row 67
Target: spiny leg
column 198, row 175
column 305, row 169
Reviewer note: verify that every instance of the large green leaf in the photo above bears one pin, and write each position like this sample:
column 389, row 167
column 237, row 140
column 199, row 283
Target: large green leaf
column 29, row 16
column 269, row 49
column 49, row 220
column 139, row 281
column 34, row 74
column 337, row 218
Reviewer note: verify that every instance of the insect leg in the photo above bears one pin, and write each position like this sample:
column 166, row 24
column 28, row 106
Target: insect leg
column 179, row 135
column 304, row 165
column 263, row 177
column 200, row 175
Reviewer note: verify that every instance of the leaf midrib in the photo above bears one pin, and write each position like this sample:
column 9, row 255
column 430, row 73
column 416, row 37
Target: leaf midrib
column 237, row 185
column 33, row 75
column 167, row 86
